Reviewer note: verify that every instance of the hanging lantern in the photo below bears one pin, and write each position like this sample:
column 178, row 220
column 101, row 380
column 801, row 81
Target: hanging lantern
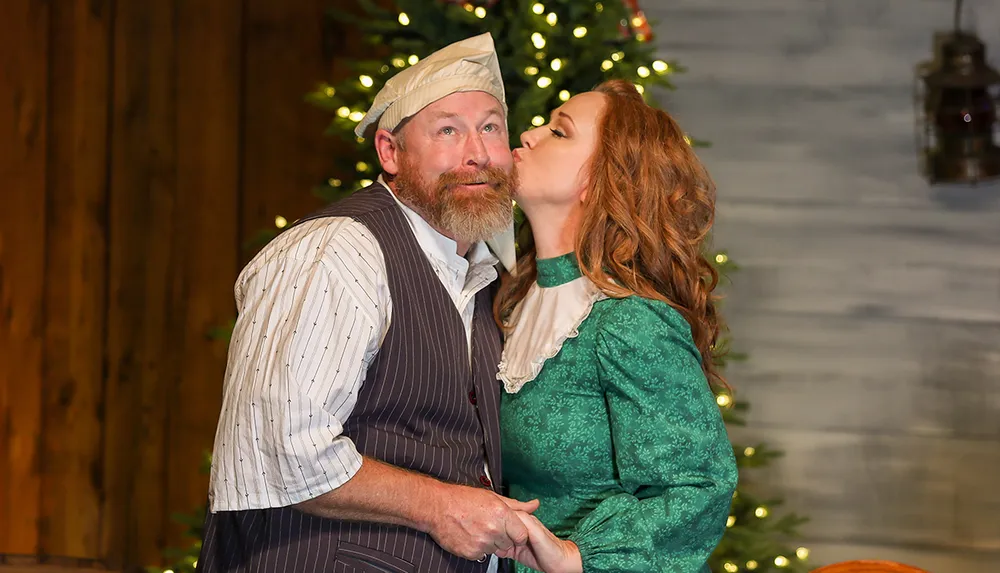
column 956, row 105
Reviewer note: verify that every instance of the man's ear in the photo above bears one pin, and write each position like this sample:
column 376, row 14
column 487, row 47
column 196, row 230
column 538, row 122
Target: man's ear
column 388, row 149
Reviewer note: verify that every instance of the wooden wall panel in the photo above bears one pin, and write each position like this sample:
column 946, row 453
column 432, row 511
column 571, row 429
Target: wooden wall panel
column 206, row 241
column 285, row 151
column 143, row 344
column 23, row 124
column 76, row 290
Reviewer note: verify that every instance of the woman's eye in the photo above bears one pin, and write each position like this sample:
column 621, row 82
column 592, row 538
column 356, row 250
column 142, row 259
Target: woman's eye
column 557, row 133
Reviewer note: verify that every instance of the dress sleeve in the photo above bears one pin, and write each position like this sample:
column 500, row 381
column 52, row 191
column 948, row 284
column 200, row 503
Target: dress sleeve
column 673, row 458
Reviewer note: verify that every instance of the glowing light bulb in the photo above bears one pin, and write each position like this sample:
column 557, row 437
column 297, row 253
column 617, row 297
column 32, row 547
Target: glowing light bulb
column 398, row 62
column 564, row 95
column 617, row 56
column 760, row 512
column 531, row 70
column 344, row 111
column 366, row 81
column 640, row 89
column 538, row 8
column 480, row 12
column 802, row 553
column 544, row 82
column 361, row 166
column 606, row 65
column 537, row 121
column 580, row 31
column 365, row 182
column 356, row 116
column 749, row 451
column 751, row 565
column 413, row 59
column 721, row 258
column 643, row 71
column 730, row 567
column 556, row 65
column 731, row 521
column 280, row 222
column 723, row 400
column 333, row 182
column 404, row 19
column 659, row 66
column 330, row 92
column 551, row 18
column 538, row 40
column 781, row 561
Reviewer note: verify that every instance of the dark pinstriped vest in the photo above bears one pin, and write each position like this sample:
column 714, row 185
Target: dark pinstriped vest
column 421, row 407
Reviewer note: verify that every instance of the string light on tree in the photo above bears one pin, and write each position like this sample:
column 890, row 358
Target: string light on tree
column 531, row 70
column 344, row 111
column 551, row 18
column 730, row 567
column 544, row 81
column 356, row 116
column 480, row 12
column 660, row 67
column 365, row 182
column 330, row 91
column 538, row 40
column 752, row 565
column 333, row 182
column 606, row 65
column 749, row 451
column 361, row 166
column 413, row 59
column 781, row 561
column 280, row 222
column 564, row 95
column 398, row 62
column 580, row 31
column 556, row 65
column 404, row 19
column 538, row 121
column 366, row 81
column 643, row 71
column 760, row 512
column 731, row 521
column 538, row 8
column 802, row 553
column 720, row 258
column 724, row 400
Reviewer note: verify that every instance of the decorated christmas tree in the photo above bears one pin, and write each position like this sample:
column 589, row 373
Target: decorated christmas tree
column 549, row 50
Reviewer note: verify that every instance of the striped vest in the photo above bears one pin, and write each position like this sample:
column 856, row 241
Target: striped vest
column 422, row 406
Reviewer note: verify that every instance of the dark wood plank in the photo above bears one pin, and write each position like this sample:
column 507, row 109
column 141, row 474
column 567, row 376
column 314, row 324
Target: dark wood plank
column 142, row 327
column 23, row 122
column 285, row 152
column 208, row 95
column 76, row 277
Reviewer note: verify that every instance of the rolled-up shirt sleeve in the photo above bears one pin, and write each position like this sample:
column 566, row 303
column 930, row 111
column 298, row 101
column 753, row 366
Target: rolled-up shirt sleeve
column 311, row 317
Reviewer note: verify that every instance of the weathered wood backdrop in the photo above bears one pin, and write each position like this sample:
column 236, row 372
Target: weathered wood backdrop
column 143, row 144
column 869, row 302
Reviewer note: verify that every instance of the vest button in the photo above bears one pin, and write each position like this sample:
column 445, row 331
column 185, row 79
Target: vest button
column 485, row 481
column 472, row 397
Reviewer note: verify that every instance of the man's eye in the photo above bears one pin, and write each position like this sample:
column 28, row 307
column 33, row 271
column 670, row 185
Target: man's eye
column 491, row 127
column 447, row 130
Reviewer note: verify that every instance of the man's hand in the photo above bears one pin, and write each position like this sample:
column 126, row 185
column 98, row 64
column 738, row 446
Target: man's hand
column 473, row 522
column 544, row 551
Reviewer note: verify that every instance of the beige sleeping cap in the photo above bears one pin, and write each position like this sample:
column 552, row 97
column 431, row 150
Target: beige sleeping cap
column 465, row 66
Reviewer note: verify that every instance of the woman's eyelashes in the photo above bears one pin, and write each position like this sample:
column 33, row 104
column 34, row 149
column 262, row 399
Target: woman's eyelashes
column 557, row 133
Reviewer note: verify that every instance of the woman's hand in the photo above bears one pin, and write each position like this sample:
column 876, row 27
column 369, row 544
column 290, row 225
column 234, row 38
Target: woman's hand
column 544, row 551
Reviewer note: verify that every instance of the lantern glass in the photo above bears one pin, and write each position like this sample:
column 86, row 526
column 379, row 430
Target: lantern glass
column 960, row 114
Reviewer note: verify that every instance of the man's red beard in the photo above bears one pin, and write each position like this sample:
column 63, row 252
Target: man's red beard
column 466, row 215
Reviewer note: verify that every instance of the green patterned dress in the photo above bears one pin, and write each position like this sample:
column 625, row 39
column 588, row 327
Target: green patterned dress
column 608, row 420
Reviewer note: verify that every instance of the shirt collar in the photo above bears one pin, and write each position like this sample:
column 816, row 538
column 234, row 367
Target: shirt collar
column 501, row 245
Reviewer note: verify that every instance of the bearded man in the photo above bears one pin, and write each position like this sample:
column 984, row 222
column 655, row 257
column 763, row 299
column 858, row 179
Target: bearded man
column 359, row 428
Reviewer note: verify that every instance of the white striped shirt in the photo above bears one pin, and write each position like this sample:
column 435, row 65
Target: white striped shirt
column 314, row 307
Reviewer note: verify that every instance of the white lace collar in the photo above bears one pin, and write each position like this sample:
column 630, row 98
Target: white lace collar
column 543, row 321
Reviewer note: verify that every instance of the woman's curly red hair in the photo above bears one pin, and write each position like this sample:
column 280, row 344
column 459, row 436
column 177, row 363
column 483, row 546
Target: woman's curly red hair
column 648, row 212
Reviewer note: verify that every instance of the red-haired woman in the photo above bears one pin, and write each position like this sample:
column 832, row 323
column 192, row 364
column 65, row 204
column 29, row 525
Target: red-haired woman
column 608, row 415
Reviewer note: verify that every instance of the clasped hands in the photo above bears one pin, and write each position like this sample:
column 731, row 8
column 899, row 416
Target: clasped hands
column 478, row 522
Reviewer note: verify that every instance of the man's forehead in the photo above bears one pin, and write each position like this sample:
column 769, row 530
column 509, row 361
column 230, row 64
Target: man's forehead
column 464, row 105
